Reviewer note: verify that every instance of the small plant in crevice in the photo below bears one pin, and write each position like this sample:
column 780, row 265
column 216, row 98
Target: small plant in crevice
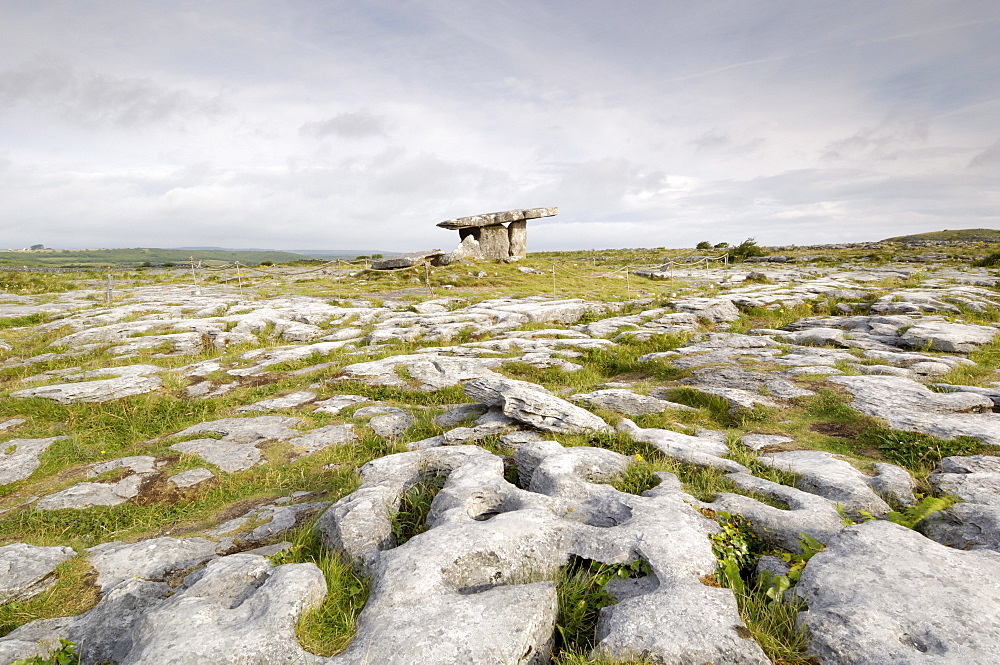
column 414, row 506
column 769, row 615
column 582, row 592
column 66, row 654
column 928, row 505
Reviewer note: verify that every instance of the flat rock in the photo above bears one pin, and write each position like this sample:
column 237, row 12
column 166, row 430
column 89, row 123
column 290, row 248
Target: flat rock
column 289, row 401
column 191, row 477
column 532, row 404
column 911, row 406
column 28, row 570
column 407, row 260
column 944, row 336
column 623, row 401
column 86, row 495
column 430, row 372
column 881, row 593
column 706, row 450
column 153, row 559
column 19, row 457
column 975, row 522
column 127, row 381
column 761, row 441
column 392, row 426
column 493, row 218
column 337, row 403
column 317, row 439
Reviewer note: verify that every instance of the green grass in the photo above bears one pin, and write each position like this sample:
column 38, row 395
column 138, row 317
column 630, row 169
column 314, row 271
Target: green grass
column 74, row 592
column 328, row 629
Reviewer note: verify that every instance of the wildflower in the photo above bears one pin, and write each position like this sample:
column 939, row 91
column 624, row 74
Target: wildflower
column 638, row 457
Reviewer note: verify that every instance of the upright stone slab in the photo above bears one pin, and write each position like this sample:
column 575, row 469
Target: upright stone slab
column 517, row 235
column 493, row 242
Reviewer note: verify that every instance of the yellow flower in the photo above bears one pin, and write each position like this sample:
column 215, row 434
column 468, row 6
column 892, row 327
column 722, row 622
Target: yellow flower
column 638, row 457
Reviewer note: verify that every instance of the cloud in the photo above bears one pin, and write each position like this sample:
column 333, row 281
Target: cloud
column 51, row 85
column 883, row 141
column 349, row 125
column 988, row 158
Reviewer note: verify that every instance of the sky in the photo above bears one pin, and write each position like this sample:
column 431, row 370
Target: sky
column 360, row 124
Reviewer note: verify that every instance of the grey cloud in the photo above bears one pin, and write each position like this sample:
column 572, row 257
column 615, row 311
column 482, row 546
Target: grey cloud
column 351, row 125
column 883, row 141
column 94, row 99
column 988, row 158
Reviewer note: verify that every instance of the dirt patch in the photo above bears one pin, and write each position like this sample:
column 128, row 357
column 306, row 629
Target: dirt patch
column 838, row 430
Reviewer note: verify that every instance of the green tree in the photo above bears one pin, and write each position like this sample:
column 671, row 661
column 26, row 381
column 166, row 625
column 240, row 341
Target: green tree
column 704, row 244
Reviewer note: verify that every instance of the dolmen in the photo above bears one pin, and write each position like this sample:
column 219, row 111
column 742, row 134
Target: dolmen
column 486, row 237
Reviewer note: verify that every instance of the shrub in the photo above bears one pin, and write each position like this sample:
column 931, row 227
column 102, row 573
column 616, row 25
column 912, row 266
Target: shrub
column 704, row 244
column 988, row 261
column 747, row 249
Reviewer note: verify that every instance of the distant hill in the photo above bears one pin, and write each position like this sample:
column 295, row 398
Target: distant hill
column 134, row 257
column 965, row 235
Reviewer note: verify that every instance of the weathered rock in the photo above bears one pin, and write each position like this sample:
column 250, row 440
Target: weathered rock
column 337, row 403
column 880, row 593
column 822, row 473
column 289, row 401
column 517, row 235
column 28, row 570
column 430, row 371
column 700, row 450
column 85, row 495
column 493, row 218
column 534, row 405
column 135, row 464
column 494, row 242
column 808, row 513
column 19, row 457
column 237, row 449
column 11, row 423
column 191, row 477
column 155, row 559
column 761, row 441
column 974, row 523
column 407, row 260
column 625, row 401
column 908, row 405
column 460, row 414
column 128, row 380
column 712, row 309
column 393, row 425
column 944, row 336
column 317, row 439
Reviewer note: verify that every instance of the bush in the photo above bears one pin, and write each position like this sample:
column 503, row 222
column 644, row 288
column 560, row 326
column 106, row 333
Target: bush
column 988, row 261
column 746, row 249
column 704, row 244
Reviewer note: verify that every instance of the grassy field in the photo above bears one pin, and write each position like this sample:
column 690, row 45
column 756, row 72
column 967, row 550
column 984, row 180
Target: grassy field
column 99, row 258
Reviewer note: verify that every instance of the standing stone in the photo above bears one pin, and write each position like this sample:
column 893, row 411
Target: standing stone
column 493, row 242
column 517, row 235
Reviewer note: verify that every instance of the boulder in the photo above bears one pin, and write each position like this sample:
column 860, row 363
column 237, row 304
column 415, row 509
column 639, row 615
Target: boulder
column 532, row 404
